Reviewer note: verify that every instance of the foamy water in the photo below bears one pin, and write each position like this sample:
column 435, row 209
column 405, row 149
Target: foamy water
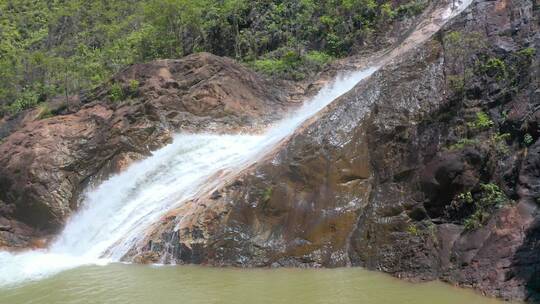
column 116, row 214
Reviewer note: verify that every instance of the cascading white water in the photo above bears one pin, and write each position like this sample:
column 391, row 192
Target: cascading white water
column 115, row 214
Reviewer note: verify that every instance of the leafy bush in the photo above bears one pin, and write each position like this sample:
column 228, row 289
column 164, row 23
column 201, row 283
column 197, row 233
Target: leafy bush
column 116, row 93
column 133, row 85
column 488, row 198
column 495, row 67
column 476, row 220
column 466, row 197
column 481, row 122
column 271, row 67
column 413, row 230
column 290, row 65
column 528, row 139
column 318, row 58
column 26, row 100
column 491, row 195
column 388, row 12
column 527, row 52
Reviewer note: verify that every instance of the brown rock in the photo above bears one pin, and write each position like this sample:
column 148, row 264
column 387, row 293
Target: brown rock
column 45, row 164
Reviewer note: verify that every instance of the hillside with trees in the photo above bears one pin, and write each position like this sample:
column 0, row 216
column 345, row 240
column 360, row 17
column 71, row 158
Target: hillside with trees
column 59, row 47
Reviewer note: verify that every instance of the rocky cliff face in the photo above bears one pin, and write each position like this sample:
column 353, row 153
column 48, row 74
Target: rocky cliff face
column 429, row 169
column 45, row 163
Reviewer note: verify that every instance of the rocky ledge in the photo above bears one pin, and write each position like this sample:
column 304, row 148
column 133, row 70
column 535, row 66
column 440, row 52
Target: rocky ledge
column 45, row 162
column 429, row 169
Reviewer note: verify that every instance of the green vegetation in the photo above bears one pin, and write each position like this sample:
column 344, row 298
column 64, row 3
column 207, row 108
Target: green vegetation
column 116, row 93
column 291, row 65
column 482, row 122
column 133, row 85
column 461, row 51
column 25, row 100
column 495, row 67
column 527, row 139
column 498, row 142
column 489, row 197
column 44, row 111
column 462, row 143
column 527, row 52
column 267, row 194
column 413, row 230
column 60, row 47
column 466, row 197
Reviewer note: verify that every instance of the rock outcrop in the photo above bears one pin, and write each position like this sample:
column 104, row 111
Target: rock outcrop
column 46, row 163
column 429, row 169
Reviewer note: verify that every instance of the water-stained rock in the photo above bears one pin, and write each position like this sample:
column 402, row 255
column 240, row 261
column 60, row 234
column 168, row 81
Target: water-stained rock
column 381, row 178
column 46, row 163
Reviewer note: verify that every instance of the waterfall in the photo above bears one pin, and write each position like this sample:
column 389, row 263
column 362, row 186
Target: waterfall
column 114, row 216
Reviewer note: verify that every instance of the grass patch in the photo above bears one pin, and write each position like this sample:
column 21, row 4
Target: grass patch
column 44, row 112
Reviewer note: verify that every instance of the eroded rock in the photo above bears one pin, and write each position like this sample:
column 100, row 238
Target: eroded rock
column 45, row 164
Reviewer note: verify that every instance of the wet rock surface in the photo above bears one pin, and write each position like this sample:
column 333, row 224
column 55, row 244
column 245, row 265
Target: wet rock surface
column 403, row 174
column 45, row 163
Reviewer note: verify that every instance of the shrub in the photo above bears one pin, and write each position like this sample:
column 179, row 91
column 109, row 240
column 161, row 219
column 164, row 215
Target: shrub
column 527, row 52
column 133, row 85
column 495, row 67
column 26, row 100
column 291, row 65
column 116, row 92
column 475, row 221
column 319, row 58
column 481, row 122
column 527, row 139
column 413, row 230
column 489, row 197
column 466, row 197
column 387, row 11
column 271, row 67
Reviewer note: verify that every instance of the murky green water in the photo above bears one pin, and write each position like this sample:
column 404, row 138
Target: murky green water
column 135, row 284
